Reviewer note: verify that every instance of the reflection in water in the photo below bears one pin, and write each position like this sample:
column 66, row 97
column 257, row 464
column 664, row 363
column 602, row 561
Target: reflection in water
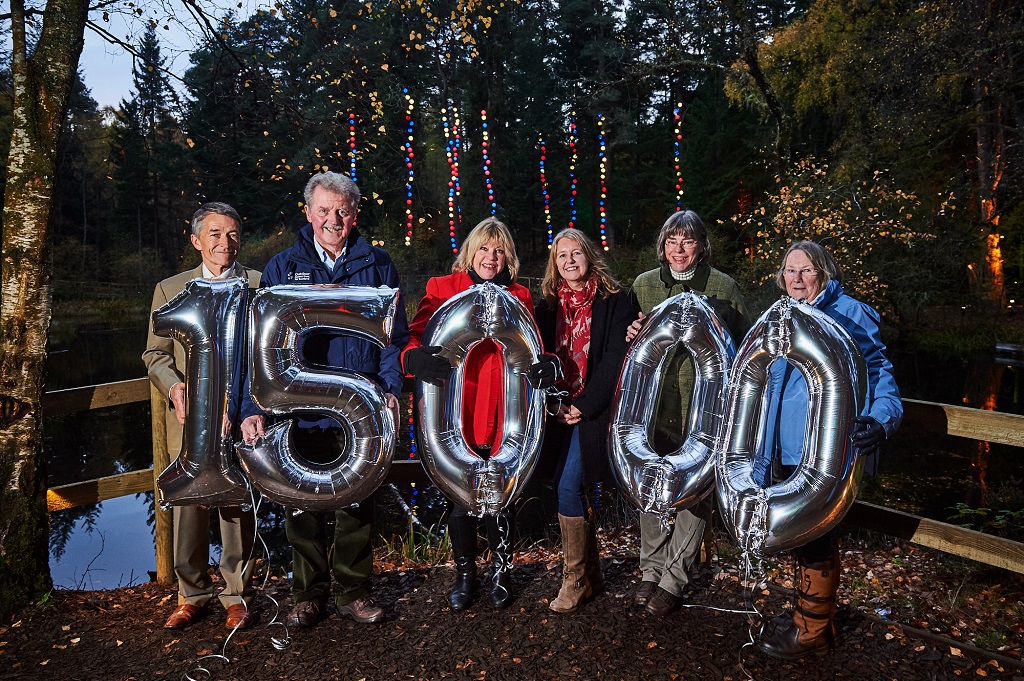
column 106, row 547
column 981, row 390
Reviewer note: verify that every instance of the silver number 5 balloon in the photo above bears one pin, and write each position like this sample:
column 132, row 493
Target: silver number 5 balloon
column 280, row 318
column 817, row 496
column 207, row 318
column 483, row 487
column 666, row 484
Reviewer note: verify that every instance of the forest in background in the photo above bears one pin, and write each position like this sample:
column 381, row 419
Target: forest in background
column 890, row 130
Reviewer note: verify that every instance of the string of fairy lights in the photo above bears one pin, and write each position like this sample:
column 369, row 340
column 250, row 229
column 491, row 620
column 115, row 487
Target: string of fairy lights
column 452, row 145
column 602, row 204
column 453, row 135
column 544, row 191
column 410, row 105
column 352, row 152
column 573, row 180
column 677, row 148
column 352, row 146
column 484, row 145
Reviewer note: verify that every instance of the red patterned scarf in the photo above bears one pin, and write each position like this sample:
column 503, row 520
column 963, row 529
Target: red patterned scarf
column 572, row 331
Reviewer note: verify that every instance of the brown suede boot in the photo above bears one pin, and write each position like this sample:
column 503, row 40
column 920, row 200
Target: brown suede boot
column 594, row 574
column 575, row 585
column 811, row 629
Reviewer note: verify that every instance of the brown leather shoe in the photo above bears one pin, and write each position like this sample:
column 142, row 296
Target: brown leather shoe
column 307, row 613
column 644, row 593
column 184, row 615
column 239, row 617
column 363, row 610
column 663, row 602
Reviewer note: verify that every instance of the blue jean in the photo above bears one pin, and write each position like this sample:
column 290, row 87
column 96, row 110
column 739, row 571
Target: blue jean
column 572, row 498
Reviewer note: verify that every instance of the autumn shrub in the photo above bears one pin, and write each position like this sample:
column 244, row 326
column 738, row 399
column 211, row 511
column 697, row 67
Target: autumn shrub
column 864, row 223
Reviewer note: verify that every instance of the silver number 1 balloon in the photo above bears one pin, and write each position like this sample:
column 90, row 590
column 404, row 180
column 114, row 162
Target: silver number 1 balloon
column 484, row 311
column 657, row 484
column 207, row 318
column 815, row 498
column 280, row 318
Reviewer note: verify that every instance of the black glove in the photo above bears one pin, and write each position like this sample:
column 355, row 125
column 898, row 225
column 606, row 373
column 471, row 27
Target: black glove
column 545, row 373
column 868, row 435
column 426, row 365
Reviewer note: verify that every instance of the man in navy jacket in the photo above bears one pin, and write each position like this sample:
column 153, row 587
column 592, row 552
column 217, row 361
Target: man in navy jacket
column 330, row 250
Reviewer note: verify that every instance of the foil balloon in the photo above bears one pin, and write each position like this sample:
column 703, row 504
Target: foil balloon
column 815, row 498
column 207, row 318
column 280, row 319
column 483, row 311
column 665, row 484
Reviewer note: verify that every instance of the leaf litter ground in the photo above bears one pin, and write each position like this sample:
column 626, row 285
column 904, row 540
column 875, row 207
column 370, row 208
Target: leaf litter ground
column 905, row 613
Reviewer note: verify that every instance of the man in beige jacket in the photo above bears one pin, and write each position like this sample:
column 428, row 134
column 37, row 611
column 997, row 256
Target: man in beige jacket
column 216, row 234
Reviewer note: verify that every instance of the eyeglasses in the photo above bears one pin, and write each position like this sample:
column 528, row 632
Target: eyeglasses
column 688, row 244
column 806, row 272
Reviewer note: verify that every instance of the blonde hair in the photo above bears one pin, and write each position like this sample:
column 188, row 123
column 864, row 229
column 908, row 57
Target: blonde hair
column 606, row 283
column 489, row 229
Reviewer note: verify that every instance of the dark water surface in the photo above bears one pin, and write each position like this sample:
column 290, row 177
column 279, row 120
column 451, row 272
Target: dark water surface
column 111, row 544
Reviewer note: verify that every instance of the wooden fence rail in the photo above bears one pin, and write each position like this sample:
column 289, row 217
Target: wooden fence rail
column 925, row 417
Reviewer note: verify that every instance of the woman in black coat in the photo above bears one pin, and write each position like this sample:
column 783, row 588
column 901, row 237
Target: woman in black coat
column 583, row 319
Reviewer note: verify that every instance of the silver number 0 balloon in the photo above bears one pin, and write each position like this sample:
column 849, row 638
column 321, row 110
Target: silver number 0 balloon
column 665, row 484
column 207, row 318
column 483, row 487
column 281, row 383
column 817, row 496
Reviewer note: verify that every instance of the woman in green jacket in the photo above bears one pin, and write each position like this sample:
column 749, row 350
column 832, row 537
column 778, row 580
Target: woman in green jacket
column 666, row 553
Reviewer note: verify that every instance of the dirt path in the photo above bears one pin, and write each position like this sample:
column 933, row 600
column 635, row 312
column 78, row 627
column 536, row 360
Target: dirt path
column 117, row 635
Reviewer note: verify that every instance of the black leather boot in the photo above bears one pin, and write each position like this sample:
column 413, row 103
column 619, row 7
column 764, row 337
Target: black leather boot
column 465, row 577
column 499, row 535
column 462, row 535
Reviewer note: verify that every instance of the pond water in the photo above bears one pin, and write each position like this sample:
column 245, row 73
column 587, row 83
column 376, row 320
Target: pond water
column 111, row 544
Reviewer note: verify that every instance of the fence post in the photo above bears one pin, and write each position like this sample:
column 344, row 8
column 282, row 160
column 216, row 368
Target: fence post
column 164, row 519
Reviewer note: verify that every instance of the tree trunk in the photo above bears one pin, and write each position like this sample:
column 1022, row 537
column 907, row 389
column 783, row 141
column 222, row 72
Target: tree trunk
column 748, row 40
column 42, row 84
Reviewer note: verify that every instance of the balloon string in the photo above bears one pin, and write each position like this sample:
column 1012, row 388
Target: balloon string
column 503, row 561
column 754, row 576
column 278, row 643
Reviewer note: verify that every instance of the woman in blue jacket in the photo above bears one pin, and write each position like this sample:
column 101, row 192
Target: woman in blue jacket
column 810, row 274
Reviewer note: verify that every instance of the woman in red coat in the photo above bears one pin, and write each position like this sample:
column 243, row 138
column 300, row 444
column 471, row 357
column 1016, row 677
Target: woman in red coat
column 487, row 254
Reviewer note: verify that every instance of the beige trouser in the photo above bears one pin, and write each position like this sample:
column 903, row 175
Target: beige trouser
column 666, row 554
column 192, row 555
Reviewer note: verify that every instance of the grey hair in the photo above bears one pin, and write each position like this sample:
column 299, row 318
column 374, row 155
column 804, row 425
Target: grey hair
column 336, row 183
column 213, row 208
column 819, row 257
column 687, row 224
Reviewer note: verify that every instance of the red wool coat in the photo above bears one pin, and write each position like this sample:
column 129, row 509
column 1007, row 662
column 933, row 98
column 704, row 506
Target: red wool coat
column 483, row 399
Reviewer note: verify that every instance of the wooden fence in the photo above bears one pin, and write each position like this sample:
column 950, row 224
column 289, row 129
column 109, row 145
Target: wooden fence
column 975, row 424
